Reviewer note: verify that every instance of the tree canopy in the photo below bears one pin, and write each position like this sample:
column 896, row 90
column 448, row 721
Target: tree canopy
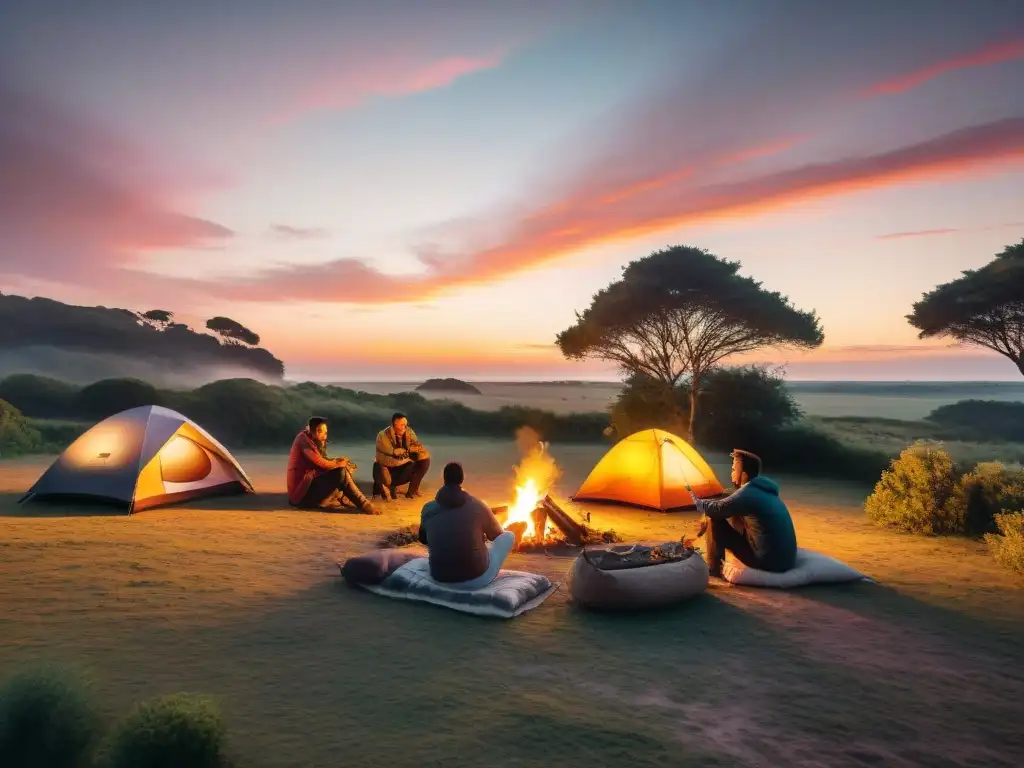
column 983, row 307
column 681, row 311
column 232, row 330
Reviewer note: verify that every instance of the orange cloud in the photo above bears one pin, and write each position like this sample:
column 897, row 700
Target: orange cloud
column 395, row 77
column 994, row 53
column 581, row 220
column 764, row 150
column 917, row 233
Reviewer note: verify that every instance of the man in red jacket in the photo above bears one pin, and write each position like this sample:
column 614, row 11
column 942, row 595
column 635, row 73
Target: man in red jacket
column 314, row 479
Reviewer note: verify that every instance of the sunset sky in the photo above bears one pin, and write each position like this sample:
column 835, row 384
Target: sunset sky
column 394, row 189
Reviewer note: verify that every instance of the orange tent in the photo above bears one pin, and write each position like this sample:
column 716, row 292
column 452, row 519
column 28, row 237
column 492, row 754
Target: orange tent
column 650, row 468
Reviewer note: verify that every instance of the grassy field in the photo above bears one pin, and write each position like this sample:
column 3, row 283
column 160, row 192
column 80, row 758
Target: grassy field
column 240, row 598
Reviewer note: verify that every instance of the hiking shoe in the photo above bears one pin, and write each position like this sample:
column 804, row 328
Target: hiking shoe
column 413, row 495
column 369, row 509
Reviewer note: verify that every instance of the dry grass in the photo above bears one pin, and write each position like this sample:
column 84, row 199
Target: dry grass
column 240, row 598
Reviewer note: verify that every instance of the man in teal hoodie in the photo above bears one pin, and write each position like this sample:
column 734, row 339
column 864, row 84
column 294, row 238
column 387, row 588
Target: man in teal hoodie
column 753, row 522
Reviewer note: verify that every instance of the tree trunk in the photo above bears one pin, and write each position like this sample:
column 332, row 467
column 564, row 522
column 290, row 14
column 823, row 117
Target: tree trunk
column 694, row 395
column 1020, row 365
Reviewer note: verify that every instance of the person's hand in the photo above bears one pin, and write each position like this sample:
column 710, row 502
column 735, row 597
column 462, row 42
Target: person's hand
column 400, row 453
column 341, row 463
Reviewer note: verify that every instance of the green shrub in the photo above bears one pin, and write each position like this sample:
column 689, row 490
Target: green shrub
column 58, row 435
column 38, row 396
column 169, row 732
column 47, row 719
column 17, row 435
column 803, row 450
column 984, row 492
column 914, row 493
column 104, row 398
column 1007, row 546
column 983, row 419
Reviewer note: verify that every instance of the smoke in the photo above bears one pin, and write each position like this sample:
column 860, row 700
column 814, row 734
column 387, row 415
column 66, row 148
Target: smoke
column 535, row 462
column 83, row 368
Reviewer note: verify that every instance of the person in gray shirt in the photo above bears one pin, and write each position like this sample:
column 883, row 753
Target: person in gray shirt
column 456, row 528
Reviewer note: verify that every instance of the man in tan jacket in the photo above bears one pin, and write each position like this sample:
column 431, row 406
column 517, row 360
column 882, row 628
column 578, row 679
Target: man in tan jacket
column 401, row 458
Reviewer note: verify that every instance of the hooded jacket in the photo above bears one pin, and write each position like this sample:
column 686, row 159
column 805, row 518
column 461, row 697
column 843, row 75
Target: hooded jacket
column 305, row 461
column 455, row 527
column 769, row 525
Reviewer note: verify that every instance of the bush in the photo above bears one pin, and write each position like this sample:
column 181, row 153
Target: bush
column 17, row 435
column 104, row 398
column 914, row 494
column 984, row 492
column 169, row 732
column 47, row 718
column 38, row 396
column 244, row 412
column 803, row 450
column 1007, row 546
column 738, row 401
column 985, row 419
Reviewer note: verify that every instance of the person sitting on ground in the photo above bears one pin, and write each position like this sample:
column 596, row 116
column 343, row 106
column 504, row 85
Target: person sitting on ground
column 753, row 522
column 316, row 481
column 456, row 527
column 401, row 458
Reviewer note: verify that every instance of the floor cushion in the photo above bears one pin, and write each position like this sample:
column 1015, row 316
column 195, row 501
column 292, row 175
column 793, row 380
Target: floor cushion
column 375, row 566
column 811, row 568
column 511, row 594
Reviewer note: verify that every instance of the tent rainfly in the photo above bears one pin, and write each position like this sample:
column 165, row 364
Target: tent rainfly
column 651, row 469
column 141, row 458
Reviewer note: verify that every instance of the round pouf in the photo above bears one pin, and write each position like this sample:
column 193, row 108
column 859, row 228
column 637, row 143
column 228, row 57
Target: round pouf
column 637, row 587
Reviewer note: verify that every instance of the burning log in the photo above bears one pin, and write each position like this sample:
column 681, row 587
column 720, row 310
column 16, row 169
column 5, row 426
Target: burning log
column 575, row 533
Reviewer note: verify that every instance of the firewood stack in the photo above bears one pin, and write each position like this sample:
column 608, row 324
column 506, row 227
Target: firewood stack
column 546, row 511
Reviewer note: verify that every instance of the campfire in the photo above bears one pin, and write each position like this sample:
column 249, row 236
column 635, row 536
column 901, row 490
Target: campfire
column 534, row 517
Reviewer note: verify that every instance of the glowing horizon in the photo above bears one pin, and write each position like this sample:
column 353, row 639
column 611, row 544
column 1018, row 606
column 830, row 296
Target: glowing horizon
column 384, row 190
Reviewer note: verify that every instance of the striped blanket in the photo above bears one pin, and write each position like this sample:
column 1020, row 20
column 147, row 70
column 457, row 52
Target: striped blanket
column 510, row 594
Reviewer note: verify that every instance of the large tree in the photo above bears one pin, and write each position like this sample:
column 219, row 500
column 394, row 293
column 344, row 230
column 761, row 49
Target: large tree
column 678, row 313
column 983, row 307
column 232, row 331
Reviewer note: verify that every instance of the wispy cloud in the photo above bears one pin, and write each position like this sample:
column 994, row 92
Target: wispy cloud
column 917, row 233
column 993, row 53
column 288, row 232
column 74, row 200
column 584, row 220
column 397, row 76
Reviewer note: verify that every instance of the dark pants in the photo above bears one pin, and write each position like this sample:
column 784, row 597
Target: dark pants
column 325, row 484
column 412, row 472
column 731, row 535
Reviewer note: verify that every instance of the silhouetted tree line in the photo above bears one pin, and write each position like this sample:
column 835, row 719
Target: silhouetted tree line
column 153, row 335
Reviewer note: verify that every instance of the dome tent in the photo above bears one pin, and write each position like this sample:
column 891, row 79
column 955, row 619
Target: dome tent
column 141, row 458
column 651, row 469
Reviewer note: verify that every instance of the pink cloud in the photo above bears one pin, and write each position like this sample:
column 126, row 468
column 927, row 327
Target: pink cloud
column 917, row 233
column 74, row 200
column 993, row 53
column 583, row 220
column 397, row 76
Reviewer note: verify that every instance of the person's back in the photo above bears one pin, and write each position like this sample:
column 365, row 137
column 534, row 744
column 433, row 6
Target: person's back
column 769, row 525
column 455, row 526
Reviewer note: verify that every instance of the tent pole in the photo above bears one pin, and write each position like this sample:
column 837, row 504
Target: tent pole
column 26, row 497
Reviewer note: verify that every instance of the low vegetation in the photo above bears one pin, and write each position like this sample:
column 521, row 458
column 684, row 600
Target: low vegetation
column 1007, row 546
column 47, row 718
column 244, row 413
column 17, row 435
column 746, row 407
column 926, row 492
column 50, row 719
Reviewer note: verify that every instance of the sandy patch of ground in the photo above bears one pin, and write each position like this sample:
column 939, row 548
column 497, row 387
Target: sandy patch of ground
column 240, row 598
